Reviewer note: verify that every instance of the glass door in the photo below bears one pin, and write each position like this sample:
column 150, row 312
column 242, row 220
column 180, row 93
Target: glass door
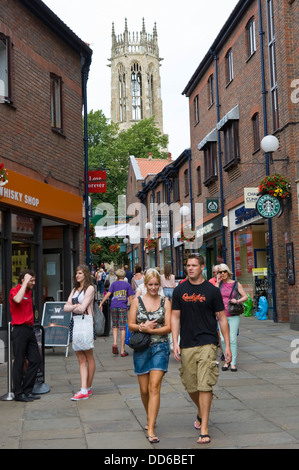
column 52, row 276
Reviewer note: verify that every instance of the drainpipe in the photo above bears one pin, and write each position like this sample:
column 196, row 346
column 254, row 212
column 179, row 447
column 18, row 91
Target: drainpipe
column 188, row 152
column 264, row 93
column 84, row 72
column 219, row 153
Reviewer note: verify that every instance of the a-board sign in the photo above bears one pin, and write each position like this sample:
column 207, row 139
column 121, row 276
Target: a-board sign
column 56, row 324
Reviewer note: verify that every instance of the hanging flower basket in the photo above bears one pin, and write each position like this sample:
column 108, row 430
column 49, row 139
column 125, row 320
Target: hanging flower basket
column 187, row 235
column 150, row 244
column 3, row 175
column 95, row 249
column 92, row 232
column 275, row 185
column 114, row 248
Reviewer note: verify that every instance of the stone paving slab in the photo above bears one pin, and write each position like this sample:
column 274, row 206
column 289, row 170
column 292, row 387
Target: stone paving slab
column 257, row 407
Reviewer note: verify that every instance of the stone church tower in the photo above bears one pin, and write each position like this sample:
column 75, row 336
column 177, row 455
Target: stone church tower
column 135, row 78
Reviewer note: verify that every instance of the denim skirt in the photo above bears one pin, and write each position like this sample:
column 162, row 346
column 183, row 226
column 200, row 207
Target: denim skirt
column 155, row 357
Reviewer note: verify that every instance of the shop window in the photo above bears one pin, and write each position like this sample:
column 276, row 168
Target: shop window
column 244, row 256
column 22, row 244
column 56, row 102
column 5, row 69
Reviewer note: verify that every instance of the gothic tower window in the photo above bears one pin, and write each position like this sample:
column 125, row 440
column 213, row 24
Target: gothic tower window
column 122, row 93
column 136, row 90
column 150, row 80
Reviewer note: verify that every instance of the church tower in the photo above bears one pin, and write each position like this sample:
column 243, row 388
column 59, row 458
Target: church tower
column 135, row 78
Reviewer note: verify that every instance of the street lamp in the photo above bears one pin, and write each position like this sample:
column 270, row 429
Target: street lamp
column 270, row 144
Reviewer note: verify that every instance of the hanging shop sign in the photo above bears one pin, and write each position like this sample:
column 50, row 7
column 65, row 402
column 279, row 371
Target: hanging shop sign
column 212, row 205
column 97, row 181
column 268, row 206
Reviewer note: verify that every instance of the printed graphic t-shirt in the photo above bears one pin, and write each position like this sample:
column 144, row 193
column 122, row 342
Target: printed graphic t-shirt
column 198, row 304
column 120, row 291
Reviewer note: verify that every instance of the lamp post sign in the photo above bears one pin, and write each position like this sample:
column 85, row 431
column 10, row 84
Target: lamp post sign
column 268, row 206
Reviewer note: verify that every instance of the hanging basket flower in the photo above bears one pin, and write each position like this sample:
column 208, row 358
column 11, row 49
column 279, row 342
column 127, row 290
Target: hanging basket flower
column 95, row 249
column 150, row 244
column 187, row 235
column 92, row 232
column 114, row 248
column 3, row 175
column 275, row 185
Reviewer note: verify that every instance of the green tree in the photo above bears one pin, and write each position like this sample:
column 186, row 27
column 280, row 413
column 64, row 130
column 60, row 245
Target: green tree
column 110, row 149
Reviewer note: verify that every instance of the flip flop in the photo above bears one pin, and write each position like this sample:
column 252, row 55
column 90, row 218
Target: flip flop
column 153, row 439
column 196, row 425
column 115, row 349
column 202, row 436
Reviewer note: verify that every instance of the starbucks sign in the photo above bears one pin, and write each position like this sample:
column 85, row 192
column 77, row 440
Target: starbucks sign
column 268, row 206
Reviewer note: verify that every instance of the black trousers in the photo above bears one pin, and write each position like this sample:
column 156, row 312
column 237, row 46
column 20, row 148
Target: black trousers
column 24, row 346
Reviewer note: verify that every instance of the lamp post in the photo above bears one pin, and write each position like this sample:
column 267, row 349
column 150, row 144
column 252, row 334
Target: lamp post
column 270, row 144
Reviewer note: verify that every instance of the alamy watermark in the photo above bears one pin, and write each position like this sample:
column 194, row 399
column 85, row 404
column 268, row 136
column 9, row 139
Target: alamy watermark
column 295, row 92
column 175, row 223
column 295, row 353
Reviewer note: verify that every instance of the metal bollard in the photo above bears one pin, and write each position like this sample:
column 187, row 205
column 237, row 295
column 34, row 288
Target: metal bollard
column 9, row 396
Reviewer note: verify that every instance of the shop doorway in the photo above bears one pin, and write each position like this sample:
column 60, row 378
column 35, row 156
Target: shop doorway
column 52, row 275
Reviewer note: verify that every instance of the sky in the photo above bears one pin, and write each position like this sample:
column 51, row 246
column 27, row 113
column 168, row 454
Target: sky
column 186, row 30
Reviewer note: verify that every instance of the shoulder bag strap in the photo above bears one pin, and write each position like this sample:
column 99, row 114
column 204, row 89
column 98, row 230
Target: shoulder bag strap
column 234, row 287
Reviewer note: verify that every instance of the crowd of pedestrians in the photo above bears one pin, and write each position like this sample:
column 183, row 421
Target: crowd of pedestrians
column 193, row 316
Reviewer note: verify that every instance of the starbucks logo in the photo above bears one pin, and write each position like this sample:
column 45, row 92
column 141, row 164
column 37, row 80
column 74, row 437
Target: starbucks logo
column 268, row 206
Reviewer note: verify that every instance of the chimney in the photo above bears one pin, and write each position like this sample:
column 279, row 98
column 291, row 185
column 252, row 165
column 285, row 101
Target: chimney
column 150, row 156
column 169, row 157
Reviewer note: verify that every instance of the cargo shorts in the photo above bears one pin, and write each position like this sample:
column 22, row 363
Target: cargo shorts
column 199, row 368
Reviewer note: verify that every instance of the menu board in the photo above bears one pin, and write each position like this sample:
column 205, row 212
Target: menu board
column 56, row 324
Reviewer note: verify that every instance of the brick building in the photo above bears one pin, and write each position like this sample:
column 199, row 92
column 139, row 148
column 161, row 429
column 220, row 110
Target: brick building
column 245, row 87
column 240, row 92
column 43, row 72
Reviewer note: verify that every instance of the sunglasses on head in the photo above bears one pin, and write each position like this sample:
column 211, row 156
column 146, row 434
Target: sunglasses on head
column 221, row 272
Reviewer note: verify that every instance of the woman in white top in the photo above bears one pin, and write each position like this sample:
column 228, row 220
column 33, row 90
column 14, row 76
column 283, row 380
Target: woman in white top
column 80, row 302
column 168, row 281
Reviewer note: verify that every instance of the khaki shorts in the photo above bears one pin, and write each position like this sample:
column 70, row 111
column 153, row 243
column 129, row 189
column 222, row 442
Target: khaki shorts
column 199, row 369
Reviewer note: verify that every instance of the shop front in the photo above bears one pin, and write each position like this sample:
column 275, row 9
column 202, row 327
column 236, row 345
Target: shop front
column 212, row 246
column 249, row 238
column 40, row 230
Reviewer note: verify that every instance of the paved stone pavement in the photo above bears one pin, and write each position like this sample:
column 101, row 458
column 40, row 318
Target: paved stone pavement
column 257, row 407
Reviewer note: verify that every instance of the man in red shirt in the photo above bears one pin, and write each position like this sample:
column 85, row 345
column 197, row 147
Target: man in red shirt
column 23, row 337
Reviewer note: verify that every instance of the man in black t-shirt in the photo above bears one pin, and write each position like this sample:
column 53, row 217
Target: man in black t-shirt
column 196, row 307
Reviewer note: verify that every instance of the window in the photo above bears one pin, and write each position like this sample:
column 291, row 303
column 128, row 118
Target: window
column 56, row 102
column 255, row 132
column 186, row 182
column 196, row 110
column 176, row 190
column 122, row 93
column 272, row 65
column 229, row 66
column 250, row 37
column 231, row 144
column 136, row 90
column 5, row 69
column 211, row 90
column 150, row 82
column 210, row 162
column 199, row 188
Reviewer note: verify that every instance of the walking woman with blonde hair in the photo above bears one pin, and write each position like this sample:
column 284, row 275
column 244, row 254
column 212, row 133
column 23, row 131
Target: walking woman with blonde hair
column 150, row 313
